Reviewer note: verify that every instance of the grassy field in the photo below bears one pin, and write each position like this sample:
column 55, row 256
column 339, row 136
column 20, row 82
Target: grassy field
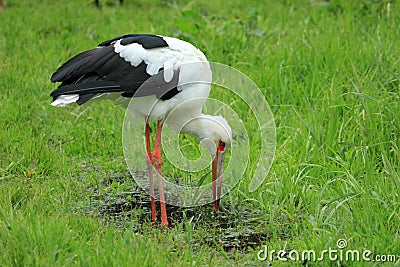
column 331, row 74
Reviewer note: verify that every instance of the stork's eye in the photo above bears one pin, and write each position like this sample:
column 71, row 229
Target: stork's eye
column 221, row 143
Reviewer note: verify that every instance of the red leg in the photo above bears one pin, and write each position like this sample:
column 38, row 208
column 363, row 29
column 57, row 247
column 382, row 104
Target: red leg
column 150, row 170
column 157, row 160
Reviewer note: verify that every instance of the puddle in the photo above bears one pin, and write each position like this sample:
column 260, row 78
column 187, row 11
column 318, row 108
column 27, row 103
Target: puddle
column 233, row 228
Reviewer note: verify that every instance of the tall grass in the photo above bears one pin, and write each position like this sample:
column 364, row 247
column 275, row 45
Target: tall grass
column 329, row 70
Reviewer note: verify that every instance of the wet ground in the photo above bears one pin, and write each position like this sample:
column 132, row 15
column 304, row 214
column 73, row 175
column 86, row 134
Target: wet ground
column 232, row 228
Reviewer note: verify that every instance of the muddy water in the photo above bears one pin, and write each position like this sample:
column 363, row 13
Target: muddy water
column 233, row 228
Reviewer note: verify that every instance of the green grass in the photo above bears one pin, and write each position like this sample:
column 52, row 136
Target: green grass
column 330, row 72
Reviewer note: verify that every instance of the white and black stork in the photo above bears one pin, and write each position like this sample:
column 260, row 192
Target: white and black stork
column 157, row 72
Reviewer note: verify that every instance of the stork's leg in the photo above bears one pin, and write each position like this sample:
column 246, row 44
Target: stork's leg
column 150, row 170
column 157, row 160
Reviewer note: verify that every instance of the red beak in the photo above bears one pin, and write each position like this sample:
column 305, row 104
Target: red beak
column 217, row 173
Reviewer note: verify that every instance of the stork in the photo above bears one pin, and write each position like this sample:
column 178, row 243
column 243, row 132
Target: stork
column 158, row 74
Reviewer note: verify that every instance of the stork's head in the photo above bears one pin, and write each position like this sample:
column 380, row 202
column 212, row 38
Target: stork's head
column 216, row 134
column 213, row 132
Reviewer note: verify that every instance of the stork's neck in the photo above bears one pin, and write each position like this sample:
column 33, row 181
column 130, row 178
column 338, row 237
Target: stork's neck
column 203, row 127
column 207, row 128
column 195, row 125
column 199, row 126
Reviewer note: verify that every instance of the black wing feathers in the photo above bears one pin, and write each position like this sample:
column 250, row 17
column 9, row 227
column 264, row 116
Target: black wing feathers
column 102, row 70
column 156, row 85
column 71, row 65
column 148, row 41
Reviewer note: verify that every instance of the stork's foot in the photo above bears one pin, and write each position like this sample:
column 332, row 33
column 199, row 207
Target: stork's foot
column 165, row 223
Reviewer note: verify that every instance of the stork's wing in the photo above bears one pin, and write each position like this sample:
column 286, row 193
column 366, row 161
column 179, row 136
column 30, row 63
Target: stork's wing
column 147, row 41
column 112, row 68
